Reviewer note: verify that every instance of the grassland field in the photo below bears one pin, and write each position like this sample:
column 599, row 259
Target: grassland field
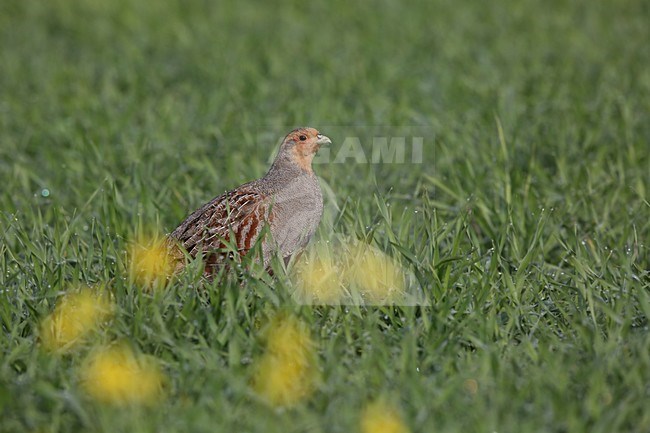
column 526, row 224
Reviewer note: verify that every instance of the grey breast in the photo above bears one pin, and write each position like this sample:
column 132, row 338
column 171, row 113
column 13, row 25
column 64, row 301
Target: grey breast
column 297, row 209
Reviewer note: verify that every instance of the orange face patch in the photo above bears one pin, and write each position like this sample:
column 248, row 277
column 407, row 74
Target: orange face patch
column 304, row 161
column 302, row 135
column 305, row 147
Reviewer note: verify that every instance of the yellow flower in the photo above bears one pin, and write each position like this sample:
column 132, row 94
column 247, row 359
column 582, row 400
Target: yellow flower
column 287, row 372
column 381, row 417
column 379, row 279
column 74, row 317
column 348, row 273
column 116, row 375
column 471, row 386
column 318, row 278
column 150, row 261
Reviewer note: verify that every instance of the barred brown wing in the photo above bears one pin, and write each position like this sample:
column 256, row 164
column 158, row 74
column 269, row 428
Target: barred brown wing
column 238, row 216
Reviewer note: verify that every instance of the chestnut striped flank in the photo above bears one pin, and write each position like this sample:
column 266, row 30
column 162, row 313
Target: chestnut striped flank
column 238, row 216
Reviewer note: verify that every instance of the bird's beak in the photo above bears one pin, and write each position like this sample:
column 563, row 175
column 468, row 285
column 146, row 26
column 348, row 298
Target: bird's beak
column 323, row 139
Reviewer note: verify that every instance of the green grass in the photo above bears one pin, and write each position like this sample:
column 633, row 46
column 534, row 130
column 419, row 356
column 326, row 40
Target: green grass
column 527, row 225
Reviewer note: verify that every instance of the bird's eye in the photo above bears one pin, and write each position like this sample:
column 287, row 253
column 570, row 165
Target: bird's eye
column 303, row 137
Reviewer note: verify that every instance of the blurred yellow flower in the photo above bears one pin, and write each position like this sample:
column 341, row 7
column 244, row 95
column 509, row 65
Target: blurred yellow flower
column 117, row 375
column 318, row 278
column 150, row 261
column 382, row 417
column 344, row 272
column 287, row 372
column 379, row 278
column 74, row 317
column 471, row 386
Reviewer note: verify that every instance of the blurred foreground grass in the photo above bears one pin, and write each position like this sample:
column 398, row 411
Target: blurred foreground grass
column 526, row 226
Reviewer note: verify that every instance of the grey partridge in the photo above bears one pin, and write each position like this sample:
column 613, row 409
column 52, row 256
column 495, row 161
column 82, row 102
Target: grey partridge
column 287, row 199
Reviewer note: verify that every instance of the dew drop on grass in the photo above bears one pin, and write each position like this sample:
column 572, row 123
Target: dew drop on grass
column 45, row 192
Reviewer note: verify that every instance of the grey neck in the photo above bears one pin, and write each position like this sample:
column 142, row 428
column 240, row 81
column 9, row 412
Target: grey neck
column 284, row 170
